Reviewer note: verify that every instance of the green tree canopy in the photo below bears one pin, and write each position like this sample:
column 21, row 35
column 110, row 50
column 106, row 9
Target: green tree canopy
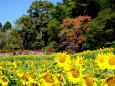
column 13, row 40
column 2, row 39
column 101, row 30
column 7, row 26
column 0, row 26
column 102, row 4
column 27, row 31
column 40, row 12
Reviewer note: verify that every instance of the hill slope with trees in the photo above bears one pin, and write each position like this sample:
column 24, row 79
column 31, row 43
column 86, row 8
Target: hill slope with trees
column 70, row 25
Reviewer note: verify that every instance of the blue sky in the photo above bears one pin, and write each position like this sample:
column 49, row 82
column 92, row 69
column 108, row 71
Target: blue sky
column 10, row 10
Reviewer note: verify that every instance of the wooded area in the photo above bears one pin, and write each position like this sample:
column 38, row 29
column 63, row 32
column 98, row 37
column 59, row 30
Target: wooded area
column 70, row 25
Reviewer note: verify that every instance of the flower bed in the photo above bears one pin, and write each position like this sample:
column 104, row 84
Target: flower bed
column 88, row 68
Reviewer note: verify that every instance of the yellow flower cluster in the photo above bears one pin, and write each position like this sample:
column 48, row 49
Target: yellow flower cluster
column 88, row 68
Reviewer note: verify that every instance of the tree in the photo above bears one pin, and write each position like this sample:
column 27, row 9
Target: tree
column 62, row 11
column 81, row 7
column 7, row 26
column 0, row 26
column 102, row 4
column 73, row 31
column 40, row 8
column 53, row 31
column 101, row 30
column 73, row 8
column 2, row 39
column 40, row 12
column 13, row 40
column 27, row 31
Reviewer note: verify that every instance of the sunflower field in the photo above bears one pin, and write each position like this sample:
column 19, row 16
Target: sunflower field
column 88, row 68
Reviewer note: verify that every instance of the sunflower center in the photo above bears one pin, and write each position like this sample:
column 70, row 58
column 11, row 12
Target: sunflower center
column 34, row 84
column 112, row 61
column 89, row 81
column 62, row 59
column 75, row 73
column 111, row 81
column 48, row 78
column 19, row 72
column 24, row 78
column 32, row 75
column 4, row 79
column 81, row 61
column 101, row 60
column 60, row 79
column 11, row 69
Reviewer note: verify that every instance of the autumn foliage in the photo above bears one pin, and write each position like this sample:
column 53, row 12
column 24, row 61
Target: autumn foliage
column 73, row 31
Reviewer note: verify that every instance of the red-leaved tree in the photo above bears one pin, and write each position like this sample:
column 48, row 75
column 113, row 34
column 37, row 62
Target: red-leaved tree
column 73, row 31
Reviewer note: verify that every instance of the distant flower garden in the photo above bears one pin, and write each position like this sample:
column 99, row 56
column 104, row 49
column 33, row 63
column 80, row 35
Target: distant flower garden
column 25, row 52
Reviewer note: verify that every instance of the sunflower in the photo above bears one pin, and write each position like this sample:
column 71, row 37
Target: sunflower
column 44, row 83
column 34, row 83
column 11, row 69
column 79, row 61
column 110, row 61
column 59, row 79
column 89, row 81
column 1, row 67
column 20, row 72
column 47, row 79
column 101, row 61
column 74, row 75
column 1, row 70
column 110, row 81
column 62, row 59
column 31, row 74
column 4, row 81
column 15, row 64
column 25, row 80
